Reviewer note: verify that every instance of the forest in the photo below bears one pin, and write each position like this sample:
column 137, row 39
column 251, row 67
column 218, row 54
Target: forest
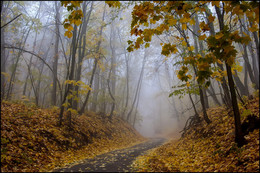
column 119, row 86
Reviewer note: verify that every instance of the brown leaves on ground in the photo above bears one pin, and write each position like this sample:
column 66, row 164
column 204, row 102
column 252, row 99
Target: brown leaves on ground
column 32, row 142
column 207, row 148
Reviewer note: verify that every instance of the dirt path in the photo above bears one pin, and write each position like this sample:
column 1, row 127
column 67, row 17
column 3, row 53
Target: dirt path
column 114, row 161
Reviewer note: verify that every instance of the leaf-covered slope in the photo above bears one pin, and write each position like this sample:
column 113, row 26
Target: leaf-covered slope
column 31, row 140
column 208, row 148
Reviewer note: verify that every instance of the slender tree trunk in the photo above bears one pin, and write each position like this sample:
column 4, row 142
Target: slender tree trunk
column 81, row 51
column 111, row 95
column 246, row 59
column 226, row 97
column 246, row 79
column 71, row 76
column 3, row 58
column 112, row 74
column 239, row 138
column 127, row 75
column 95, row 89
column 56, row 53
column 138, row 99
column 170, row 82
column 193, row 105
column 256, row 39
column 95, row 64
column 212, row 93
column 240, row 85
column 103, row 87
column 255, row 60
column 138, row 87
column 205, row 116
column 196, row 29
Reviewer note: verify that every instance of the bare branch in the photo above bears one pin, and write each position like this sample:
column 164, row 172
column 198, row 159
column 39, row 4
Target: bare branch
column 10, row 21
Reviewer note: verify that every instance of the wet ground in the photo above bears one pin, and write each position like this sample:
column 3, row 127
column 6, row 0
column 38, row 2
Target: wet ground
column 115, row 161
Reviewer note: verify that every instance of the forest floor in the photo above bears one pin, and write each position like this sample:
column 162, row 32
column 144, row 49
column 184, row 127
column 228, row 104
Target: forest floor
column 114, row 161
column 210, row 147
column 31, row 140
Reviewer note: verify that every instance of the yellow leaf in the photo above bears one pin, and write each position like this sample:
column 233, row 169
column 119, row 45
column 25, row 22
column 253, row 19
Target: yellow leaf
column 197, row 9
column 184, row 43
column 184, row 26
column 253, row 29
column 220, row 62
column 192, row 22
column 202, row 37
column 172, row 21
column 219, row 35
column 68, row 34
column 77, row 22
column 115, row 4
column 70, row 28
column 184, row 20
column 152, row 21
column 191, row 48
column 186, row 15
column 216, row 3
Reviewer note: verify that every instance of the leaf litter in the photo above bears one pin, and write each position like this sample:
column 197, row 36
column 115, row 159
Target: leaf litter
column 207, row 148
column 31, row 141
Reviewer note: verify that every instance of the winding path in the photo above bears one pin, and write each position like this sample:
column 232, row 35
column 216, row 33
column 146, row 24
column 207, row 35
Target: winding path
column 114, row 161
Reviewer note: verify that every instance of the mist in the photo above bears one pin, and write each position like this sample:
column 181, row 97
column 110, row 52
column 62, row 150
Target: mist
column 113, row 82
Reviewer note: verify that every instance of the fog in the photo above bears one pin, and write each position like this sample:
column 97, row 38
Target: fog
column 132, row 85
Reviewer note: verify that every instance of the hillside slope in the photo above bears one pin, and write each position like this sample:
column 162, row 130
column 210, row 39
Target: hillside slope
column 208, row 148
column 32, row 142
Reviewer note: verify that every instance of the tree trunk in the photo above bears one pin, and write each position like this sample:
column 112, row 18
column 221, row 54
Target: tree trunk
column 226, row 97
column 95, row 64
column 246, row 79
column 95, row 90
column 3, row 56
column 56, row 52
column 127, row 75
column 138, row 86
column 71, row 76
column 212, row 93
column 255, row 60
column 81, row 51
column 112, row 73
column 170, row 82
column 205, row 116
column 196, row 29
column 239, row 138
column 240, row 85
column 256, row 39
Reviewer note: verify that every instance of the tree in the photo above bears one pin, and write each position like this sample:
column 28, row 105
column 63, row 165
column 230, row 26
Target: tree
column 146, row 14
column 95, row 62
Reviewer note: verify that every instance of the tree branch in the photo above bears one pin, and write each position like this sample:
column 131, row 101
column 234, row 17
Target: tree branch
column 10, row 21
column 13, row 47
